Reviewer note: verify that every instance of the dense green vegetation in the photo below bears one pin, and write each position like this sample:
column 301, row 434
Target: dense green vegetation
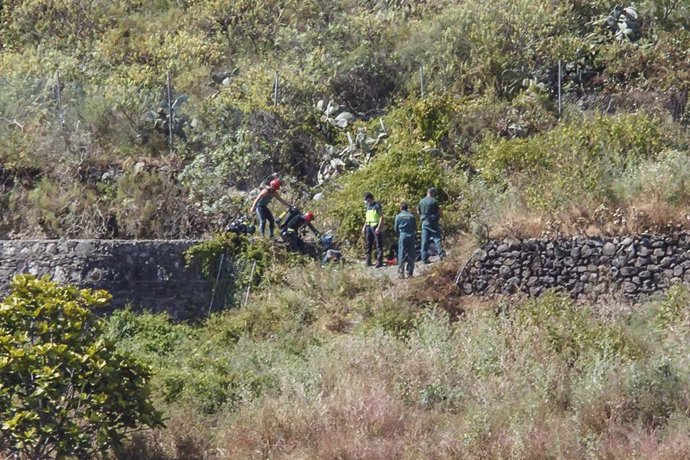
column 328, row 362
column 65, row 390
column 486, row 130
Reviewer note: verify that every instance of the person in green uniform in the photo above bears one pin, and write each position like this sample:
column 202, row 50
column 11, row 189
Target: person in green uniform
column 373, row 229
column 430, row 214
column 260, row 206
column 406, row 227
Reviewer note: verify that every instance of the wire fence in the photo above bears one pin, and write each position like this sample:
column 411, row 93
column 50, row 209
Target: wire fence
column 59, row 108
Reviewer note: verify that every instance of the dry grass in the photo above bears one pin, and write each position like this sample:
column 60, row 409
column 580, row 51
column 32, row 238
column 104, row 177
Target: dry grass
column 467, row 380
column 643, row 215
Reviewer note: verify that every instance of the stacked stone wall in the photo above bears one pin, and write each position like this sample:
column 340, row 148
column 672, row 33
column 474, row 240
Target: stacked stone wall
column 148, row 274
column 586, row 268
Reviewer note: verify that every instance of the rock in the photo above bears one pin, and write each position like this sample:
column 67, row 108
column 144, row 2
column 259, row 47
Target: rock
column 666, row 262
column 628, row 287
column 620, row 261
column 501, row 249
column 480, row 254
column 514, row 280
column 609, row 249
column 642, row 261
column 84, row 249
column 629, row 271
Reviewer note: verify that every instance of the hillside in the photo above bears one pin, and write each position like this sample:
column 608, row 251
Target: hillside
column 387, row 96
column 531, row 117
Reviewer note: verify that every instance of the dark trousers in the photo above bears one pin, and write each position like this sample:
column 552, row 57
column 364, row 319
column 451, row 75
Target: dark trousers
column 264, row 215
column 430, row 232
column 293, row 240
column 372, row 239
column 406, row 253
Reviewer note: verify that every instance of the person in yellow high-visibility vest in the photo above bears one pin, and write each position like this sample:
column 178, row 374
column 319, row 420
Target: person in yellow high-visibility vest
column 373, row 229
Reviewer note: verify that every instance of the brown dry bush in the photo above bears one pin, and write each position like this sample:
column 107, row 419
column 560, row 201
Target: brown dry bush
column 359, row 419
column 186, row 437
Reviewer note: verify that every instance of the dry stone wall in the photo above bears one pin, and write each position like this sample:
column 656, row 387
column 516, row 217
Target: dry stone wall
column 148, row 274
column 586, row 268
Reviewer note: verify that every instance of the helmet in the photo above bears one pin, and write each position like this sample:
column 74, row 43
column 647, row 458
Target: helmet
column 275, row 184
column 308, row 216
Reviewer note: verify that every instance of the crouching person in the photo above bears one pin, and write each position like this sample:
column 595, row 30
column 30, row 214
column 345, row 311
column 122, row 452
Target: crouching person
column 406, row 227
column 290, row 232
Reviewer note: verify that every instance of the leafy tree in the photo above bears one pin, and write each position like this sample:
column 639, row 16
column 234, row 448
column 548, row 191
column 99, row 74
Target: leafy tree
column 64, row 390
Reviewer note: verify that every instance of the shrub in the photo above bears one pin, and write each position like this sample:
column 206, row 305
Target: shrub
column 572, row 333
column 243, row 262
column 397, row 319
column 148, row 336
column 674, row 310
column 575, row 161
column 65, row 390
column 663, row 179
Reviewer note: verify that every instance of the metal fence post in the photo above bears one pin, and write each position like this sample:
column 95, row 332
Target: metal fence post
column 560, row 79
column 58, row 95
column 170, row 115
column 249, row 286
column 215, row 288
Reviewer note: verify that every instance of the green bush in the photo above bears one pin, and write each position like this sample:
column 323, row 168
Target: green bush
column 571, row 332
column 65, row 390
column 244, row 261
column 396, row 318
column 148, row 336
column 575, row 161
column 663, row 179
column 674, row 310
